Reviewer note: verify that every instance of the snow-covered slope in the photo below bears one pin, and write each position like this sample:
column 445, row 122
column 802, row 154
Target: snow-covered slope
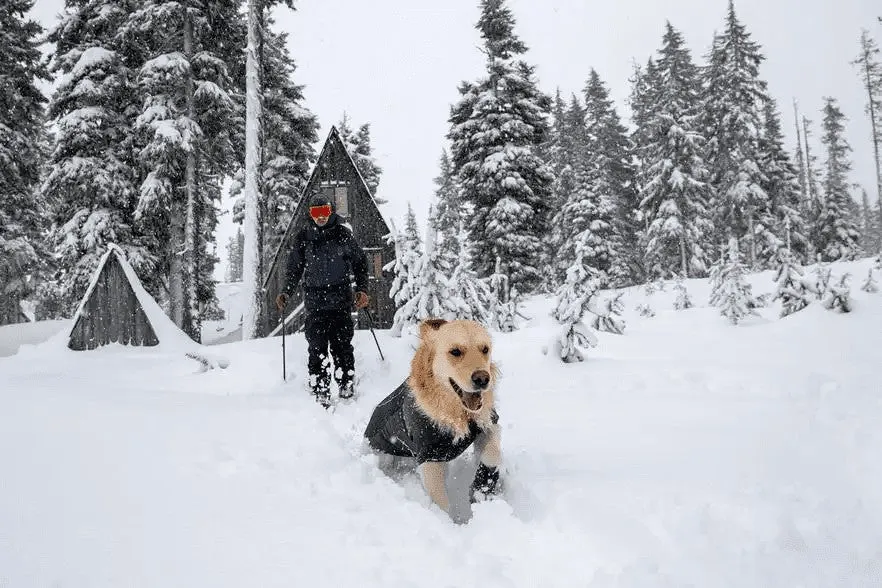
column 685, row 452
column 14, row 336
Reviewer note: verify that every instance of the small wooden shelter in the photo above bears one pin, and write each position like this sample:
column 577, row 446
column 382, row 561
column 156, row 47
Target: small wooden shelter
column 337, row 177
column 110, row 311
column 117, row 309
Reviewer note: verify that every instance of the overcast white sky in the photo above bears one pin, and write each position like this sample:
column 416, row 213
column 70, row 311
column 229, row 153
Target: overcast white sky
column 397, row 64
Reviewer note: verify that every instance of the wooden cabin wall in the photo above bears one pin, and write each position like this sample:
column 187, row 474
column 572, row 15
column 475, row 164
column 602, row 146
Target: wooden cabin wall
column 112, row 314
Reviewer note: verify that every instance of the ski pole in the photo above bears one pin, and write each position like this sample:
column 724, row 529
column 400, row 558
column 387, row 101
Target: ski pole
column 371, row 327
column 282, row 322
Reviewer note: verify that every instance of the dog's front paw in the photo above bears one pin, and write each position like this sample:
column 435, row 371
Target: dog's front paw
column 485, row 484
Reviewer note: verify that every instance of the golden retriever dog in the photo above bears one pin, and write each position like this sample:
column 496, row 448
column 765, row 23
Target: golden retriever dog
column 444, row 406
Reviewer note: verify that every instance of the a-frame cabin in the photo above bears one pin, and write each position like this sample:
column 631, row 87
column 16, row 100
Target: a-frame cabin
column 335, row 175
column 111, row 311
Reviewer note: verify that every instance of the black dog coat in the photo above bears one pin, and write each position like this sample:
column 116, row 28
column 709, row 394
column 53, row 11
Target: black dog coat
column 399, row 427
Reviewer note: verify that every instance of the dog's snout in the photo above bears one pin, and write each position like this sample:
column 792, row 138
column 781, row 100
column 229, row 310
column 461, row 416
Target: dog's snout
column 480, row 379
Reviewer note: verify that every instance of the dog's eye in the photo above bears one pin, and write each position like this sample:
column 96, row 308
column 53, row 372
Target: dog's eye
column 456, row 352
column 485, row 350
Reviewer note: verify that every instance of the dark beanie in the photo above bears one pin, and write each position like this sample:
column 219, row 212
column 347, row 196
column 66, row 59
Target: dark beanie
column 320, row 199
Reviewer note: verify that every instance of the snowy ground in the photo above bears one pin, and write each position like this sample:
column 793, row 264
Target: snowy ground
column 686, row 452
column 12, row 337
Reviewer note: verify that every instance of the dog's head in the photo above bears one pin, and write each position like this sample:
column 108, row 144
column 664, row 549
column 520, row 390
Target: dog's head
column 460, row 353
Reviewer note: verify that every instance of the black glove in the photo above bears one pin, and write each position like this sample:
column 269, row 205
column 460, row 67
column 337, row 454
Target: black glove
column 486, row 482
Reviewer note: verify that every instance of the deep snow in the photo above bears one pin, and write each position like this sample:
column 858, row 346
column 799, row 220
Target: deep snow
column 686, row 452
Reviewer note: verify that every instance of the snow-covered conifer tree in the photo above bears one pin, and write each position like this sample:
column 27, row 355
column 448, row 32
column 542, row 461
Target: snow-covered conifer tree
column 406, row 267
column 645, row 86
column 91, row 178
column 674, row 191
column 730, row 291
column 784, row 194
column 733, row 124
column 476, row 294
column 504, row 301
column 185, row 144
column 683, row 300
column 448, row 217
column 871, row 231
column 23, row 218
column 358, row 143
column 565, row 143
column 586, row 216
column 610, row 164
column 870, row 285
column 574, row 299
column 870, row 68
column 837, row 234
column 496, row 130
column 813, row 205
column 234, row 256
column 823, row 275
column 608, row 317
column 432, row 292
column 289, row 132
column 838, row 295
column 790, row 287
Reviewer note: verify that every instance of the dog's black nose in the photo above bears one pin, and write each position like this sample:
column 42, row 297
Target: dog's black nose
column 480, row 379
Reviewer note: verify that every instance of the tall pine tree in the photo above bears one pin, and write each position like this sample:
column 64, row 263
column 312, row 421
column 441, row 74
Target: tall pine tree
column 358, row 143
column 871, row 77
column 733, row 125
column 674, row 189
column 92, row 181
column 567, row 155
column 812, row 206
column 22, row 150
column 871, row 231
column 645, row 85
column 406, row 268
column 784, row 192
column 609, row 162
column 496, row 129
column 186, row 127
column 235, row 248
column 587, row 215
column 838, row 237
column 448, row 216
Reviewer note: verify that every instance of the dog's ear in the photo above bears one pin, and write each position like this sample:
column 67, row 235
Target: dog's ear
column 430, row 325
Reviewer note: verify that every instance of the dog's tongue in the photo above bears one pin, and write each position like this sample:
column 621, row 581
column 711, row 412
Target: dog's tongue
column 471, row 401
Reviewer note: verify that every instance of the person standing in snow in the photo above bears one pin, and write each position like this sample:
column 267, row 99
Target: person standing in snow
column 324, row 255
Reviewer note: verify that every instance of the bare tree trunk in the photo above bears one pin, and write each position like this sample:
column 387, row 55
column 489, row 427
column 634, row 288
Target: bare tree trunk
column 752, row 240
column 684, row 267
column 191, row 321
column 800, row 158
column 176, row 261
column 787, row 222
column 253, row 104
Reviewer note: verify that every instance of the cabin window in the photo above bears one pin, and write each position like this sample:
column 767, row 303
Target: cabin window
column 339, row 196
column 378, row 265
column 341, row 199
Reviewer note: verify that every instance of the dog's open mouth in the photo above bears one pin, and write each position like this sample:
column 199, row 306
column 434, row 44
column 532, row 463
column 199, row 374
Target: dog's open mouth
column 471, row 400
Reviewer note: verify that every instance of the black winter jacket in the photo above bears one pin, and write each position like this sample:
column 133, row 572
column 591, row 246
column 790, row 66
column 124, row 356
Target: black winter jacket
column 323, row 259
column 399, row 427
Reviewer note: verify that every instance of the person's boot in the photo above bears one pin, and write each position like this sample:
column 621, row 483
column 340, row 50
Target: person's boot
column 321, row 389
column 347, row 390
